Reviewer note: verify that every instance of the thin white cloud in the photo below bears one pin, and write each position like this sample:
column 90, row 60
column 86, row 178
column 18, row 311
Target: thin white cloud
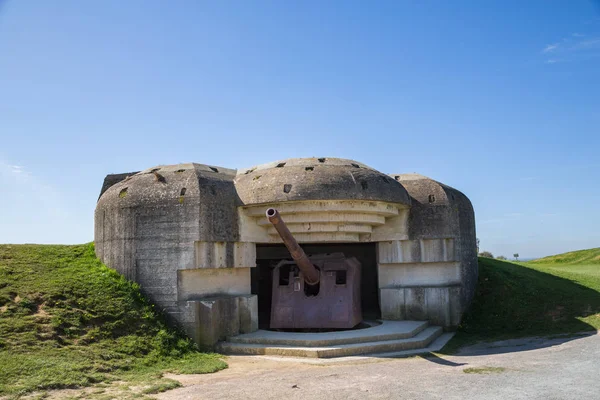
column 550, row 48
column 590, row 44
column 18, row 169
column 18, row 180
column 570, row 48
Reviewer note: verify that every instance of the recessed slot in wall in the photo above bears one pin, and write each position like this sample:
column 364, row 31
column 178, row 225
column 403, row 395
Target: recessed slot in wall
column 431, row 198
column 287, row 188
column 250, row 170
column 182, row 193
column 322, row 160
column 309, row 168
column 123, row 193
column 280, row 165
column 180, row 171
column 355, row 165
column 340, row 277
column 213, row 169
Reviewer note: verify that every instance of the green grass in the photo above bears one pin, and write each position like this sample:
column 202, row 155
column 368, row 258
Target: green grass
column 484, row 370
column 530, row 299
column 580, row 257
column 67, row 321
column 166, row 384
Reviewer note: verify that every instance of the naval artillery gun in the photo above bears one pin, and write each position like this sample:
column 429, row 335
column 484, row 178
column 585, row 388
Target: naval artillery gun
column 316, row 292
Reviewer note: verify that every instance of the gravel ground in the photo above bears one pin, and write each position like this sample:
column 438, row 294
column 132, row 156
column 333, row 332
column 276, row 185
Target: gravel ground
column 535, row 368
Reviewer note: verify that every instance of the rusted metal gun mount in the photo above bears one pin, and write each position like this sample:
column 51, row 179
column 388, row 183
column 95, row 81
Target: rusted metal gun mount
column 322, row 291
column 311, row 274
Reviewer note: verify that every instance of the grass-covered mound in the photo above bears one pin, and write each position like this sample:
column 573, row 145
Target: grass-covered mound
column 68, row 321
column 517, row 300
column 579, row 257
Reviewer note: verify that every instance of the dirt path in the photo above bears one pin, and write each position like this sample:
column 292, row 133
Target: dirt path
column 567, row 368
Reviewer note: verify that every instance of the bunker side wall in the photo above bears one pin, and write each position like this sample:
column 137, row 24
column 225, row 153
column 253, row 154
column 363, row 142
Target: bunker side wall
column 432, row 275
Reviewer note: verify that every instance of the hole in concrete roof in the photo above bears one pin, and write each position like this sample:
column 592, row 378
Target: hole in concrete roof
column 182, row 193
column 287, row 187
column 123, row 193
column 431, row 198
column 321, row 160
column 154, row 170
column 213, row 169
column 180, row 171
column 364, row 185
column 257, row 177
column 280, row 165
column 309, row 168
column 355, row 165
column 250, row 170
column 397, row 177
column 158, row 177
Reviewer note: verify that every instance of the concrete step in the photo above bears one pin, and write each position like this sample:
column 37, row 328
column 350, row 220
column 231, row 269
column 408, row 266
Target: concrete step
column 386, row 330
column 420, row 340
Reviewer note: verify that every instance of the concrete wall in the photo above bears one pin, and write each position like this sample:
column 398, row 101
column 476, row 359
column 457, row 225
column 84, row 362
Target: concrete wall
column 187, row 233
column 433, row 275
column 174, row 230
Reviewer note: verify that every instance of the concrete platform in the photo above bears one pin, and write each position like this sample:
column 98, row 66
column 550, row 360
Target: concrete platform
column 388, row 337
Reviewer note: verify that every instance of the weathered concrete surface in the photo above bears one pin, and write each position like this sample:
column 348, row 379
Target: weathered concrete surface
column 534, row 369
column 151, row 225
column 419, row 341
column 113, row 179
column 387, row 330
column 317, row 179
column 208, row 320
column 188, row 232
column 441, row 229
column 327, row 221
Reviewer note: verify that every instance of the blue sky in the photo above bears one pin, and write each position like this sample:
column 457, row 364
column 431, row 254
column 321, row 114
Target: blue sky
column 498, row 99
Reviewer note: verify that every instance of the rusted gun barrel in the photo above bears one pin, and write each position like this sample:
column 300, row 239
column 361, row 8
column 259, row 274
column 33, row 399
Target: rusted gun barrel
column 311, row 274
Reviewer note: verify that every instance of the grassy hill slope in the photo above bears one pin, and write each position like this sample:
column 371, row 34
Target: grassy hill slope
column 580, row 257
column 68, row 321
column 518, row 300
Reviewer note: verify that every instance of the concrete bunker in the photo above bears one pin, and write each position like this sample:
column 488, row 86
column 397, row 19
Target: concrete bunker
column 196, row 240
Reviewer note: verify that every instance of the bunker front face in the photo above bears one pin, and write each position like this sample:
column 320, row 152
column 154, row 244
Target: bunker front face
column 195, row 237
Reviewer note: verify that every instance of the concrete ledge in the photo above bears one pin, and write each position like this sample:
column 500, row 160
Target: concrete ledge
column 201, row 283
column 421, row 274
column 421, row 340
column 225, row 254
column 434, row 346
column 209, row 320
column 386, row 330
column 417, row 251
